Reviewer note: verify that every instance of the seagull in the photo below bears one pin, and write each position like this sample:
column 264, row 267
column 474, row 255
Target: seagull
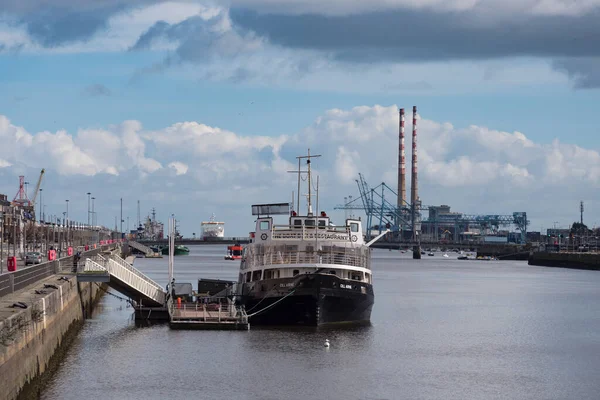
column 326, row 342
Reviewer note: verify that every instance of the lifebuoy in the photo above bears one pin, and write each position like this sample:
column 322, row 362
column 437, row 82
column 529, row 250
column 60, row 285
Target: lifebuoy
column 263, row 236
column 354, row 238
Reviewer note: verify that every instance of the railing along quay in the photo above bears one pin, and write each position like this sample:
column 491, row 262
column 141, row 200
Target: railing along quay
column 11, row 282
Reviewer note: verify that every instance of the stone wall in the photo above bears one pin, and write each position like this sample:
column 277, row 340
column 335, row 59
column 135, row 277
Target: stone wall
column 30, row 337
column 590, row 261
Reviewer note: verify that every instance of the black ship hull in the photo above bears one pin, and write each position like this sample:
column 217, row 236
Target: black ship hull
column 310, row 300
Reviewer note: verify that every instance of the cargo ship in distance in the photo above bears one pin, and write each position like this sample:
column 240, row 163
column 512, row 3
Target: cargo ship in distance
column 212, row 228
column 306, row 271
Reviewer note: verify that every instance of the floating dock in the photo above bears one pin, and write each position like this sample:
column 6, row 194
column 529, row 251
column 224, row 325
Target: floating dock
column 212, row 316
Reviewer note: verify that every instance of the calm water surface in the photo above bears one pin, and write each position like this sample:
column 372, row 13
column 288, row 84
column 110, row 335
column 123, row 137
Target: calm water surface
column 441, row 329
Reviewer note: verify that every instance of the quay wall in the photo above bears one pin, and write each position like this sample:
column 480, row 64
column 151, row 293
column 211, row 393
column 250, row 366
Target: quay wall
column 588, row 261
column 32, row 339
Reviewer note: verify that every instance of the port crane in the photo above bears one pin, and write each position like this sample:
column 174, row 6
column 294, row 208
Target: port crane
column 382, row 212
column 37, row 189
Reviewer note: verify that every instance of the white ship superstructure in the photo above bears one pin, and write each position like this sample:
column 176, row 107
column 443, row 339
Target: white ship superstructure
column 212, row 228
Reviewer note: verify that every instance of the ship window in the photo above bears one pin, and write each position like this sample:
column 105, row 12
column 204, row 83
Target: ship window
column 296, row 272
column 309, row 222
column 368, row 278
column 256, row 275
column 332, row 272
column 248, row 275
column 297, row 223
column 354, row 227
column 322, row 223
column 355, row 277
column 264, row 225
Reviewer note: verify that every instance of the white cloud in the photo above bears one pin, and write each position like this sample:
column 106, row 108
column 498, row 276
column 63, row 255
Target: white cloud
column 179, row 167
column 475, row 169
column 346, row 165
column 89, row 152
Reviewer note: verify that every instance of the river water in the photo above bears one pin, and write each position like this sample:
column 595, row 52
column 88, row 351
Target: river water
column 441, row 329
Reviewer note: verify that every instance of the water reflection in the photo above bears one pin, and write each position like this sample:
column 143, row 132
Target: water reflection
column 441, row 329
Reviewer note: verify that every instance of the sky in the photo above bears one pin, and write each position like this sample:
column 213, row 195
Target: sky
column 200, row 107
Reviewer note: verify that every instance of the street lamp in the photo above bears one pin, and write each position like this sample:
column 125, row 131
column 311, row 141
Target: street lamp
column 93, row 212
column 88, row 193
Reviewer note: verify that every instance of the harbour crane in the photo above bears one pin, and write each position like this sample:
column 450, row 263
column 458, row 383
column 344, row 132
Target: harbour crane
column 37, row 188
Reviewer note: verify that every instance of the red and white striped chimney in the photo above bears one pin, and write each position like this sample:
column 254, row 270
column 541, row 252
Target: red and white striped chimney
column 414, row 188
column 401, row 163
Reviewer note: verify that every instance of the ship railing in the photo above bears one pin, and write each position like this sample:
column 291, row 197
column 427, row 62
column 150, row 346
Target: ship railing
column 214, row 311
column 360, row 258
column 283, row 232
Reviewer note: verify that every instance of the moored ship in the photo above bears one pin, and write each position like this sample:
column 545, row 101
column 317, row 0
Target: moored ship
column 306, row 271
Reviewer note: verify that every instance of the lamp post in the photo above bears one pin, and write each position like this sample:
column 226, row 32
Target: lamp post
column 67, row 223
column 61, row 235
column 94, row 221
column 41, row 202
column 93, row 212
column 88, row 194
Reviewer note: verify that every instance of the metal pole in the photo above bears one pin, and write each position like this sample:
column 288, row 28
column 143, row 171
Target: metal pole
column 14, row 220
column 121, row 223
column 94, row 220
column 88, row 194
column 68, row 224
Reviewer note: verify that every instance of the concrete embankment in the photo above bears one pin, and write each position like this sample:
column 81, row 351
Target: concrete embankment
column 32, row 338
column 589, row 261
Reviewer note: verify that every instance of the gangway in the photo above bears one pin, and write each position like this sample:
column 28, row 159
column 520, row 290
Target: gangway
column 124, row 278
column 143, row 248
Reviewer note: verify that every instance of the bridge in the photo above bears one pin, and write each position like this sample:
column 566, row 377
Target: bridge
column 191, row 241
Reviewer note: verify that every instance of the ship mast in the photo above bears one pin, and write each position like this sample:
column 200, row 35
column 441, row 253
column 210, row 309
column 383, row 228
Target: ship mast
column 309, row 196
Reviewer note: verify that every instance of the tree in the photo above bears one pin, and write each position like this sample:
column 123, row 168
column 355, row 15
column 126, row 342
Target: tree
column 580, row 229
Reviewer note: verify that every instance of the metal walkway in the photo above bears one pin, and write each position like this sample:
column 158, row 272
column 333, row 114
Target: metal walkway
column 124, row 278
column 143, row 248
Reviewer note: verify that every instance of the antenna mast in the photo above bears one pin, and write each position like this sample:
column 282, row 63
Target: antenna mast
column 308, row 157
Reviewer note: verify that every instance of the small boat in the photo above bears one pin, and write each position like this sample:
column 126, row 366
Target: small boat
column 179, row 250
column 234, row 252
column 430, row 254
column 463, row 258
column 445, row 255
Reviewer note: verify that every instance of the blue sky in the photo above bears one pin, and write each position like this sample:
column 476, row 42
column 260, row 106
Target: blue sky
column 507, row 104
